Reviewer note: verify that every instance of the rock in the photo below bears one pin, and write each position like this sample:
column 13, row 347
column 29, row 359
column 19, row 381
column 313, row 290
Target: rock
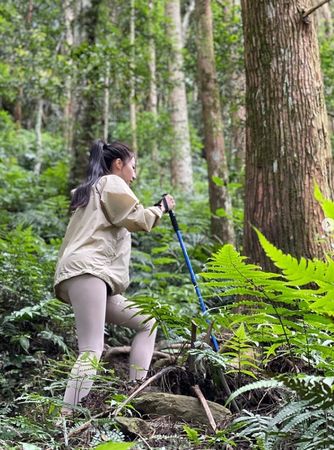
column 134, row 425
column 180, row 407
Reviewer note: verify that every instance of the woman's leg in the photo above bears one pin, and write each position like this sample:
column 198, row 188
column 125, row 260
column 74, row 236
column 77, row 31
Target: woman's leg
column 88, row 295
column 143, row 343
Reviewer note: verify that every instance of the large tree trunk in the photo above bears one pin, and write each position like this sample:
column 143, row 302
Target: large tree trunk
column 221, row 227
column 287, row 148
column 181, row 164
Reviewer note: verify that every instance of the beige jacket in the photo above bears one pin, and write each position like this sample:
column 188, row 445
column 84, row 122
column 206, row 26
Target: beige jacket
column 98, row 238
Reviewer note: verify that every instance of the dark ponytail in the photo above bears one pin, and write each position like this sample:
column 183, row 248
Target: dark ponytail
column 101, row 157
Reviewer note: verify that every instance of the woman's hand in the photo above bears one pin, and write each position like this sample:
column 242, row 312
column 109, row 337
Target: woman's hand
column 170, row 203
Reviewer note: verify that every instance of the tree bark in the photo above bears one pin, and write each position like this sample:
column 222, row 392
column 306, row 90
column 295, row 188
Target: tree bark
column 106, row 105
column 221, row 227
column 186, row 20
column 181, row 163
column 85, row 107
column 133, row 106
column 153, row 92
column 287, row 145
column 38, row 134
column 69, row 17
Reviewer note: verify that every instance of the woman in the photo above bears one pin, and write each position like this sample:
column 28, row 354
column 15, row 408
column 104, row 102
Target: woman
column 93, row 264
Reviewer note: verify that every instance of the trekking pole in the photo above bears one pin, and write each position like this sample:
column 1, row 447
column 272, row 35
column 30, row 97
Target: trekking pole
column 197, row 290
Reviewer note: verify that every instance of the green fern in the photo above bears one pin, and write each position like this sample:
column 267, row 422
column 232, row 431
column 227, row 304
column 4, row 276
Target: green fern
column 302, row 272
column 283, row 314
column 312, row 409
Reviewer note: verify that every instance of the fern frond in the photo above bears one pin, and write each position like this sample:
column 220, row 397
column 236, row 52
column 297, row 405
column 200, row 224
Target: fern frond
column 272, row 383
column 227, row 262
column 317, row 390
column 302, row 272
column 288, row 411
column 298, row 420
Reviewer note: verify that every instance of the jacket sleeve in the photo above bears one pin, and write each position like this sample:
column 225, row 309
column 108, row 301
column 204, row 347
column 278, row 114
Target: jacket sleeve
column 122, row 208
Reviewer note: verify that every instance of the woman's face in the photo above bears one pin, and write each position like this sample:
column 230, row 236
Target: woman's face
column 125, row 170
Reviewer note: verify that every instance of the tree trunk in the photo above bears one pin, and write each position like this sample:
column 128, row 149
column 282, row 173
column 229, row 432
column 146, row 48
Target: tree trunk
column 236, row 114
column 323, row 17
column 133, row 106
column 85, row 107
column 181, row 164
column 18, row 107
column 69, row 16
column 287, row 145
column 221, row 227
column 38, row 134
column 186, row 20
column 106, row 105
column 153, row 92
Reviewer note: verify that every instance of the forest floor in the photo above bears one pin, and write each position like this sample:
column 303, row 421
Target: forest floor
column 164, row 422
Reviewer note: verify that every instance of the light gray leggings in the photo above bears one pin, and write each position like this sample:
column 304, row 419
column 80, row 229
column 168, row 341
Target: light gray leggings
column 92, row 309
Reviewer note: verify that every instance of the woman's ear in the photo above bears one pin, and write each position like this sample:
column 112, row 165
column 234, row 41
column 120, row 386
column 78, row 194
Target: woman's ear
column 116, row 165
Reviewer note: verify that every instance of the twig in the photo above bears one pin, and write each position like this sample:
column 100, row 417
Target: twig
column 85, row 425
column 193, row 334
column 305, row 14
column 205, row 405
column 65, row 431
column 166, row 346
column 208, row 334
column 145, row 441
column 143, row 386
column 114, row 351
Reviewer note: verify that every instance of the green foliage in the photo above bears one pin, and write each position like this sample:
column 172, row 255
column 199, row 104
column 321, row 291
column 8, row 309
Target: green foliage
column 115, row 446
column 326, row 204
column 304, row 422
column 283, row 314
column 192, row 434
column 34, row 210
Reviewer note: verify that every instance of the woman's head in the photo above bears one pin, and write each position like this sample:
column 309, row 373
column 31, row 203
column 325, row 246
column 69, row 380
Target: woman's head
column 102, row 157
column 114, row 158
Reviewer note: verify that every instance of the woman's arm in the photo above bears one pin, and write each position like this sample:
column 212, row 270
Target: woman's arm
column 123, row 209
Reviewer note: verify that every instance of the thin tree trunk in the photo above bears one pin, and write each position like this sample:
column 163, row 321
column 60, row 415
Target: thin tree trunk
column 153, row 93
column 181, row 163
column 324, row 21
column 323, row 17
column 186, row 20
column 221, row 227
column 237, row 113
column 69, row 17
column 106, row 105
column 18, row 107
column 133, row 106
column 287, row 148
column 38, row 134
